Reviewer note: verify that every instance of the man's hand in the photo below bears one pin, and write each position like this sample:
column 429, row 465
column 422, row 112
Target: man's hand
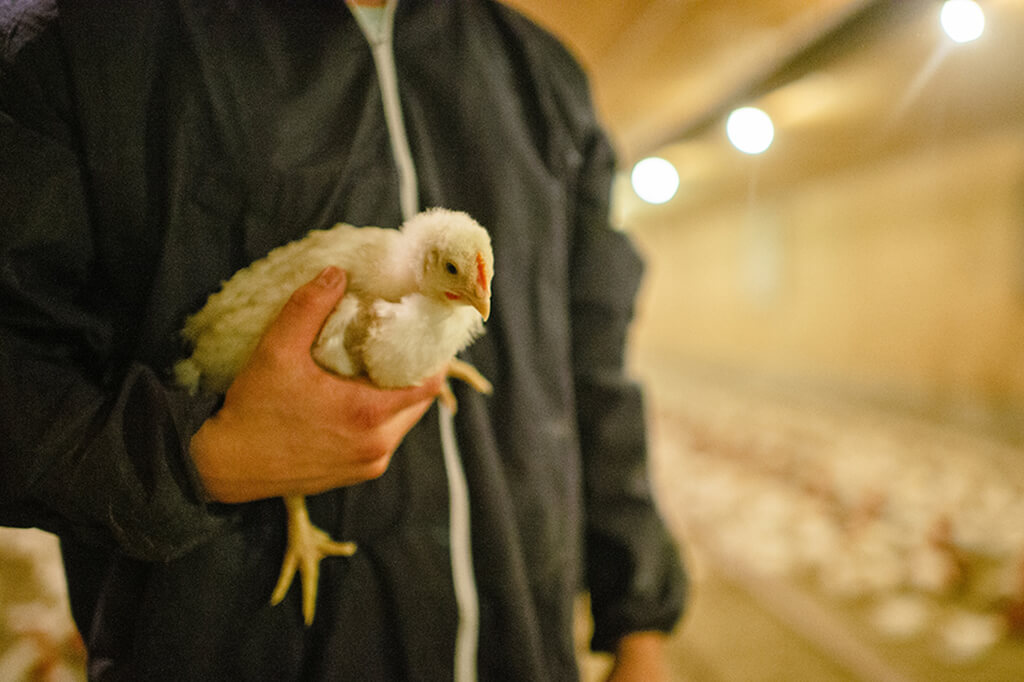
column 640, row 657
column 289, row 427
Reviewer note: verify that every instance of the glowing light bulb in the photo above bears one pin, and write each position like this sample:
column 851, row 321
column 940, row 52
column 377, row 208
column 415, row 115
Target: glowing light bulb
column 654, row 180
column 750, row 130
column 962, row 20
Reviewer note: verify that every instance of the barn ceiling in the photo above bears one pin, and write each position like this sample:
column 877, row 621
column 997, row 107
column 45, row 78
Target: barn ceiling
column 839, row 72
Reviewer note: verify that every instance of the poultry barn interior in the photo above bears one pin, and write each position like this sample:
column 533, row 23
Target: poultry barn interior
column 829, row 332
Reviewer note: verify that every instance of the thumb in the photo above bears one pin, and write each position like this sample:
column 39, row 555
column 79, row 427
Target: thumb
column 303, row 315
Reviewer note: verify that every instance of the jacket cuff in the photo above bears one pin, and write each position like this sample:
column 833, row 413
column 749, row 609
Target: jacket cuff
column 644, row 594
column 132, row 483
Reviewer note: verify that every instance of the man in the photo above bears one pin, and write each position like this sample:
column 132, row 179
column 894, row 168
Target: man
column 152, row 149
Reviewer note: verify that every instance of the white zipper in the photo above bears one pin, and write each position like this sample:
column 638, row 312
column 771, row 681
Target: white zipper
column 377, row 25
column 468, row 634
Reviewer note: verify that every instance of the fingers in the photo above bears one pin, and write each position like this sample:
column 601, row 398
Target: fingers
column 381, row 403
column 415, row 396
column 382, row 419
column 407, row 418
column 300, row 320
column 414, row 402
column 379, row 448
column 385, row 415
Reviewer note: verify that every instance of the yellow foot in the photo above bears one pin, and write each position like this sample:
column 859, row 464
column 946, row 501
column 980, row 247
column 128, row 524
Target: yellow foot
column 459, row 369
column 307, row 545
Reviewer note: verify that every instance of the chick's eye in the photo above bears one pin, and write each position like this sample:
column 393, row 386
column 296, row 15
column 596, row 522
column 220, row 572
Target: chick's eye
column 450, row 267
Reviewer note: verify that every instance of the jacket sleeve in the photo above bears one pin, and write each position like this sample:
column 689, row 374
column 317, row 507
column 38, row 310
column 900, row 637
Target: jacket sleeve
column 633, row 569
column 91, row 445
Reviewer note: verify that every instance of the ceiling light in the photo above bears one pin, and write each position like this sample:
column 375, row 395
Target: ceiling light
column 750, row 130
column 962, row 20
column 654, row 180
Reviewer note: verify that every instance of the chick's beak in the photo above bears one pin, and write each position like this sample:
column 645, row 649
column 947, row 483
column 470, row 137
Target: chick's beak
column 481, row 300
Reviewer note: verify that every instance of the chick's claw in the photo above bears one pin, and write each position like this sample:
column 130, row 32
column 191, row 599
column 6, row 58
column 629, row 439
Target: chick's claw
column 307, row 545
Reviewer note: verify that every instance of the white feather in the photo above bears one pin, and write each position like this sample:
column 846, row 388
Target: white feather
column 414, row 339
column 410, row 336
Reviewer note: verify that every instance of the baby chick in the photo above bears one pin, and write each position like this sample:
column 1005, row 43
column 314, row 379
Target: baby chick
column 415, row 297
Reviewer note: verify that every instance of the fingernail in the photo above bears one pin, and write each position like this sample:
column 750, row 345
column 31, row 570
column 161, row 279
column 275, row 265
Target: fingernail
column 329, row 278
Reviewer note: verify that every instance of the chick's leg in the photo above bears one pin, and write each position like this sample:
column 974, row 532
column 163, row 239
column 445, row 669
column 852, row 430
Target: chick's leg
column 307, row 545
column 460, row 369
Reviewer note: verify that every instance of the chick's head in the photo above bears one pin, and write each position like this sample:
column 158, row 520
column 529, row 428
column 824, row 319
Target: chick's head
column 458, row 264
